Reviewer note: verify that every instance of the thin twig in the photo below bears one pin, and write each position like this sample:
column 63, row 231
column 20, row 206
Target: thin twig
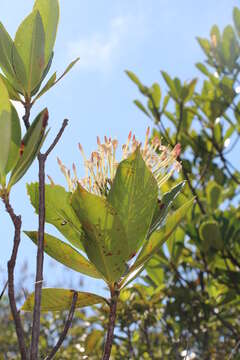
column 17, row 222
column 40, row 247
column 4, row 289
column 67, row 326
column 111, row 324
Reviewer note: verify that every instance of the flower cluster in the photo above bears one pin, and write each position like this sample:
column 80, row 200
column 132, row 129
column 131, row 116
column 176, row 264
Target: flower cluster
column 102, row 165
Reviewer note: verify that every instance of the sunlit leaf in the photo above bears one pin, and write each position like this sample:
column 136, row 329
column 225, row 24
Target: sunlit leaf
column 61, row 299
column 106, row 244
column 58, row 212
column 5, row 127
column 133, row 195
column 65, row 254
column 29, row 43
column 30, row 146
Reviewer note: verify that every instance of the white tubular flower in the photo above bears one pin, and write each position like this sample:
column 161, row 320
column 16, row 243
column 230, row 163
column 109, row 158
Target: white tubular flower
column 101, row 168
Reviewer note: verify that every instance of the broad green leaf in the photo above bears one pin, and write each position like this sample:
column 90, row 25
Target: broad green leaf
column 45, row 72
column 155, row 271
column 158, row 238
column 15, row 140
column 141, row 107
column 5, row 127
column 29, row 42
column 58, row 212
column 163, row 206
column 133, row 195
column 61, row 299
column 211, row 235
column 106, row 243
column 49, row 11
column 236, row 18
column 30, row 146
column 6, row 47
column 65, row 254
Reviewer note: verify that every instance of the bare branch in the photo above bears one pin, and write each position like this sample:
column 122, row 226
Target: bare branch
column 40, row 247
column 17, row 222
column 66, row 327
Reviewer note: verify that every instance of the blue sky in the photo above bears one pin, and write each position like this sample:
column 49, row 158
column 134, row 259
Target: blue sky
column 96, row 96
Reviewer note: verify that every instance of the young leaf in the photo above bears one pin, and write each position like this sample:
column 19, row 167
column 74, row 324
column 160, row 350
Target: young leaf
column 106, row 243
column 158, row 238
column 30, row 146
column 141, row 107
column 163, row 206
column 65, row 254
column 171, row 85
column 29, row 43
column 15, row 140
column 61, row 299
column 59, row 212
column 49, row 11
column 53, row 81
column 5, row 127
column 134, row 195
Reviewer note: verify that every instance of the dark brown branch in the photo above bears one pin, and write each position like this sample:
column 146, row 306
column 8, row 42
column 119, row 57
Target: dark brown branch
column 17, row 222
column 67, row 326
column 40, row 247
column 57, row 138
column 26, row 117
column 111, row 324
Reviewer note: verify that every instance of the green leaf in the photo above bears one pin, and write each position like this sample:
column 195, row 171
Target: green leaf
column 236, row 18
column 29, row 43
column 58, row 212
column 158, row 238
column 30, row 146
column 6, row 47
column 15, row 140
column 5, row 127
column 170, row 84
column 106, row 244
column 203, row 69
column 133, row 195
column 49, row 11
column 50, row 83
column 156, row 94
column 53, row 81
column 228, row 42
column 214, row 192
column 135, row 79
column 211, row 235
column 141, row 107
column 65, row 254
column 163, row 206
column 205, row 45
column 13, row 94
column 61, row 299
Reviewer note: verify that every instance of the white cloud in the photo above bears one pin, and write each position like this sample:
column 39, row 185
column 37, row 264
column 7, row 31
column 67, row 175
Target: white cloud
column 100, row 51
